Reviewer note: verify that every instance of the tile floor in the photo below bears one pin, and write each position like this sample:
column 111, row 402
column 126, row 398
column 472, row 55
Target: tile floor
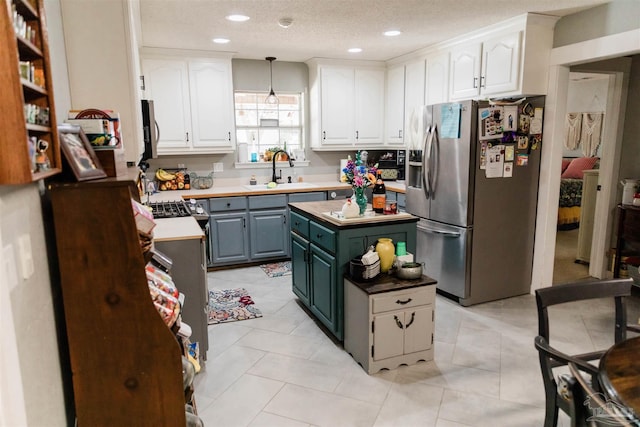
column 282, row 370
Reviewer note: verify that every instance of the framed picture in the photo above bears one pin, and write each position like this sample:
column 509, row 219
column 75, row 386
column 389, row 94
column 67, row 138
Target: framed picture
column 78, row 153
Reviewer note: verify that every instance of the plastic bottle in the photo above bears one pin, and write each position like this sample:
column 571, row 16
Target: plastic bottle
column 379, row 195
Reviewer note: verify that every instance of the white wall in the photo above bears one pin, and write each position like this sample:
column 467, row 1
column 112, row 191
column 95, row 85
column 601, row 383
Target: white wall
column 37, row 381
column 587, row 94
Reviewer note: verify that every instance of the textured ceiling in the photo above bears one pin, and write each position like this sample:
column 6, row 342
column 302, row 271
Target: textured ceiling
column 327, row 28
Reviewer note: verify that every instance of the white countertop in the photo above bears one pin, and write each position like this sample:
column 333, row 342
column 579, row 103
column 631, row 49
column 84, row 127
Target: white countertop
column 183, row 228
column 186, row 228
column 240, row 190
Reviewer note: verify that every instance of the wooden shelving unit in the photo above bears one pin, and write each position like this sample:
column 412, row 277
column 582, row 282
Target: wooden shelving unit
column 15, row 159
column 126, row 363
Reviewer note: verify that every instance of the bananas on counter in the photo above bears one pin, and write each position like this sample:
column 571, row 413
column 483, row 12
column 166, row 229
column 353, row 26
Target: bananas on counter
column 172, row 181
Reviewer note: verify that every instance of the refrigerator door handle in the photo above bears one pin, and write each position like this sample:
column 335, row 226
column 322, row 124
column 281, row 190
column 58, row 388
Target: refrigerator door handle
column 441, row 232
column 425, row 160
column 433, row 160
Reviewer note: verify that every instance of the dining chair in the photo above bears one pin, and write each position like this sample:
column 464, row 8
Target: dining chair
column 595, row 408
column 551, row 358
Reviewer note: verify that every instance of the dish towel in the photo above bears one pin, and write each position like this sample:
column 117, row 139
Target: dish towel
column 590, row 135
column 572, row 130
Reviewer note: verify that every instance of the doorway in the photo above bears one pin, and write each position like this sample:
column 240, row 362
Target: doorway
column 586, row 101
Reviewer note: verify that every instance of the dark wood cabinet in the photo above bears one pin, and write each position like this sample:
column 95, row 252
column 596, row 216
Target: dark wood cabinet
column 25, row 92
column 628, row 238
column 126, row 363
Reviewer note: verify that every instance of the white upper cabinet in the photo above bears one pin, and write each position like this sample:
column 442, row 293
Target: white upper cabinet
column 337, row 98
column 414, row 103
column 510, row 59
column 394, row 112
column 212, row 117
column 167, row 84
column 346, row 105
column 437, row 79
column 369, row 106
column 465, row 71
column 193, row 100
column 500, row 64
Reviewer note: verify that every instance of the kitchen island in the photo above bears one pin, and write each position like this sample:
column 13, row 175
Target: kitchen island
column 322, row 244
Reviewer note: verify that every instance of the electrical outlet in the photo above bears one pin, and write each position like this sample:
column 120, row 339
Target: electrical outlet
column 218, row 167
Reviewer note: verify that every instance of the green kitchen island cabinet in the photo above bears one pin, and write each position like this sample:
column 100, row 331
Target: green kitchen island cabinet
column 322, row 246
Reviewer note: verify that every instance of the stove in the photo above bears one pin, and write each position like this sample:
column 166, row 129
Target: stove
column 172, row 209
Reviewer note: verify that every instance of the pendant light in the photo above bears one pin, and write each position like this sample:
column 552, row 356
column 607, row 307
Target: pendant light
column 272, row 99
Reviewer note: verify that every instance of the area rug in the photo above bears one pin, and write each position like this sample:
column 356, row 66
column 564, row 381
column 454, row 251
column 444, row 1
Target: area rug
column 277, row 269
column 230, row 305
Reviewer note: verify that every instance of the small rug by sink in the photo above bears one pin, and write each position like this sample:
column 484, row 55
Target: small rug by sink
column 230, row 305
column 277, row 269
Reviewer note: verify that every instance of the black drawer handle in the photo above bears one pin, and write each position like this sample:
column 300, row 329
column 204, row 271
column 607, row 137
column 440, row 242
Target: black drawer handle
column 404, row 302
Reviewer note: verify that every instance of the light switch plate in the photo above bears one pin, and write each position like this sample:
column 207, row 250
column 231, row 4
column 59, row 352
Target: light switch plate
column 26, row 256
column 218, row 167
column 9, row 261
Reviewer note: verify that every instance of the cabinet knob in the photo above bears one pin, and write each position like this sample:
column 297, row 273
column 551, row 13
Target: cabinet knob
column 131, row 383
column 296, row 223
column 319, row 236
column 112, row 298
column 228, row 204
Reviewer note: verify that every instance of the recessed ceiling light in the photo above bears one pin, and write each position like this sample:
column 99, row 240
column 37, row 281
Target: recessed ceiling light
column 355, row 50
column 392, row 33
column 221, row 40
column 238, row 18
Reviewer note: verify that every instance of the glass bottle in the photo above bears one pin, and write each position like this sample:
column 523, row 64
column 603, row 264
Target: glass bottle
column 379, row 195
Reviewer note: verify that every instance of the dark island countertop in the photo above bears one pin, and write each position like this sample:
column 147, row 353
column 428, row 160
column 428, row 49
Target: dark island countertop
column 388, row 282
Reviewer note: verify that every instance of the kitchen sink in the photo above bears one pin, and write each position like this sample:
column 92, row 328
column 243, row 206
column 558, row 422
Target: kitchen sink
column 280, row 187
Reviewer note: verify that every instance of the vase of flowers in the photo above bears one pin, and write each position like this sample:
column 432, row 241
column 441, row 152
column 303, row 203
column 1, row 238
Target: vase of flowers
column 360, row 177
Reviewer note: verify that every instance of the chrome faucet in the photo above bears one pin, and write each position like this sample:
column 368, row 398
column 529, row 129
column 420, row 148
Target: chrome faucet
column 274, row 177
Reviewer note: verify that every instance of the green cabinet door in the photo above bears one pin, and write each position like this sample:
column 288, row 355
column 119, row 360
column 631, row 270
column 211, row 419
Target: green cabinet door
column 324, row 289
column 299, row 267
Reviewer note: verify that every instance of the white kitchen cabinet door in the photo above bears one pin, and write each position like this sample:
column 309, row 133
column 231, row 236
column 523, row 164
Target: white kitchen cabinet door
column 418, row 329
column 394, row 111
column 464, row 71
column 388, row 339
column 437, row 79
column 501, row 64
column 337, row 105
column 211, row 94
column 369, row 106
column 167, row 84
column 414, row 103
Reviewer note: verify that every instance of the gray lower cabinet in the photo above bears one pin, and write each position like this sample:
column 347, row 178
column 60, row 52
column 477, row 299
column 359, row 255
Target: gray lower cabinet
column 254, row 228
column 189, row 274
column 268, row 227
column 229, row 230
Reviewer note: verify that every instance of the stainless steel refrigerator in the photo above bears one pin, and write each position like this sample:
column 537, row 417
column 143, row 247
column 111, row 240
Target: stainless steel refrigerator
column 476, row 234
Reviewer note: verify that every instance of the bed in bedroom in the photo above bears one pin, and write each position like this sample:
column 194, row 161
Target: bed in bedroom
column 571, row 190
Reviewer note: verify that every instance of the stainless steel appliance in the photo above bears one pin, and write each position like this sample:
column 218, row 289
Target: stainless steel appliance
column 150, row 132
column 390, row 162
column 476, row 234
